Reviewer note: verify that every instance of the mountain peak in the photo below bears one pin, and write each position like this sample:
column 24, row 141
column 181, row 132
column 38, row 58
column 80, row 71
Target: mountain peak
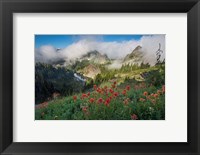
column 95, row 57
column 135, row 56
column 137, row 48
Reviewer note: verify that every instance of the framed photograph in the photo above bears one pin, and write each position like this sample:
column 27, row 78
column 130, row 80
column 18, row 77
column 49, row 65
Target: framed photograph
column 98, row 76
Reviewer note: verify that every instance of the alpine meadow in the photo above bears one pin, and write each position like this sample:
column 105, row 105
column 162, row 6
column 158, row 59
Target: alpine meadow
column 100, row 77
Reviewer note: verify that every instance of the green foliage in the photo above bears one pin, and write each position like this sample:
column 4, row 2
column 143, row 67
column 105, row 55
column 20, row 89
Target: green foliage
column 156, row 77
column 129, row 69
column 49, row 80
column 89, row 84
column 70, row 109
column 134, row 104
column 143, row 65
column 80, row 65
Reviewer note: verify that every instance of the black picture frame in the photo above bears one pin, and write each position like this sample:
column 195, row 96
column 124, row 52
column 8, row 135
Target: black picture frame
column 8, row 7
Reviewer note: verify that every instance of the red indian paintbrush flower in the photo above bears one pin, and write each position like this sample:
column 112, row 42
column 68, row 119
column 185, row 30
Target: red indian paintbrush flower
column 113, row 86
column 124, row 92
column 155, row 95
column 95, row 87
column 142, row 99
column 134, row 117
column 115, row 94
column 127, row 87
column 91, row 100
column 99, row 90
column 158, row 92
column 84, row 95
column 74, row 98
column 145, row 93
column 114, row 82
column 107, row 102
column 163, row 88
column 111, row 91
column 100, row 100
column 84, row 109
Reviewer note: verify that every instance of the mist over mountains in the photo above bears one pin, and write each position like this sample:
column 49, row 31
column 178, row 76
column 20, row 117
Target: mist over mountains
column 117, row 53
column 75, row 66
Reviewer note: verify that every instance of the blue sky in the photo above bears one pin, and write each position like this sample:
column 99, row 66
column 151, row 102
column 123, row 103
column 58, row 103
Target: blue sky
column 61, row 41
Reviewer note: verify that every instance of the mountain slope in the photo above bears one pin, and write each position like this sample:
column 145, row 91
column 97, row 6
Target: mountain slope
column 91, row 71
column 136, row 56
column 49, row 80
column 95, row 57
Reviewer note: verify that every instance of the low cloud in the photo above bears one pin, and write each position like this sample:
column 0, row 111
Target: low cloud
column 47, row 54
column 114, row 50
column 116, row 64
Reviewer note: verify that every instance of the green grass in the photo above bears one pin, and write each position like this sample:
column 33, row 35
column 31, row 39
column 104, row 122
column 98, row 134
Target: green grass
column 67, row 108
column 145, row 100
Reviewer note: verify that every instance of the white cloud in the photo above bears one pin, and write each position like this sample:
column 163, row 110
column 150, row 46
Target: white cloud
column 150, row 44
column 116, row 64
column 114, row 50
column 47, row 54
